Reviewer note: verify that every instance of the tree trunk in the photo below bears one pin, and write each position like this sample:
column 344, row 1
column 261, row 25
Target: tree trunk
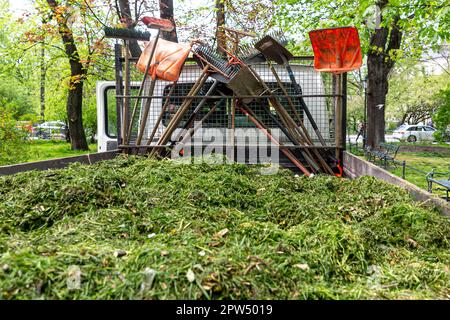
column 166, row 12
column 220, row 22
column 403, row 120
column 77, row 77
column 376, row 99
column 42, row 91
column 383, row 43
column 74, row 114
column 125, row 16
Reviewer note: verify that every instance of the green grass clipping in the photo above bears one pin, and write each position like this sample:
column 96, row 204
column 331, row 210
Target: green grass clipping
column 135, row 228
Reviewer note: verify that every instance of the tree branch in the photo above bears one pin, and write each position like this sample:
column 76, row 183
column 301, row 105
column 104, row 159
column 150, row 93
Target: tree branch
column 395, row 40
column 124, row 13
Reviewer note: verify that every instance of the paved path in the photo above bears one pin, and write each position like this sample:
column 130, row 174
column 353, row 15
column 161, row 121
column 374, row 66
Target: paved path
column 388, row 138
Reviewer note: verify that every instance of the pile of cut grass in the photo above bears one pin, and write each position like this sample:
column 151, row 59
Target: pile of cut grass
column 145, row 229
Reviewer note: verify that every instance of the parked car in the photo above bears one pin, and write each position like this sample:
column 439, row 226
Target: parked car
column 51, row 124
column 413, row 133
column 51, row 130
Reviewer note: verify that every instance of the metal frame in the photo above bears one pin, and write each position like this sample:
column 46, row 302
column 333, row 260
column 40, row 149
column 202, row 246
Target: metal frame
column 338, row 95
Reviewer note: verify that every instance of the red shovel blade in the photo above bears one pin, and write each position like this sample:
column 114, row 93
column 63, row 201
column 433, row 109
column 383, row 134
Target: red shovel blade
column 155, row 23
column 336, row 50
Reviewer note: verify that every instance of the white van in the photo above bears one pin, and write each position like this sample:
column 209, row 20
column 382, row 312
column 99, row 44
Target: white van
column 312, row 84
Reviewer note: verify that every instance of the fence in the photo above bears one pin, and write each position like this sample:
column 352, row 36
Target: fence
column 356, row 149
column 356, row 167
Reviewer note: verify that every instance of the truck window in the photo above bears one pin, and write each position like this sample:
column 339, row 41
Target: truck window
column 222, row 115
column 110, row 112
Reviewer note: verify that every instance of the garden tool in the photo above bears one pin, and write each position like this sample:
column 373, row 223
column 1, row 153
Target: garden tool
column 274, row 50
column 303, row 132
column 288, row 123
column 286, row 152
column 126, row 34
column 238, row 79
column 336, row 50
column 244, row 82
column 172, row 125
column 305, row 153
column 167, row 64
column 262, row 86
column 249, row 54
column 273, row 47
column 160, row 25
column 213, row 65
column 161, row 114
column 197, row 125
column 197, row 109
column 201, row 104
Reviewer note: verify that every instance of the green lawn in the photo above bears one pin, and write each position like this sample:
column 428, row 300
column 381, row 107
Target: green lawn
column 422, row 144
column 424, row 161
column 43, row 150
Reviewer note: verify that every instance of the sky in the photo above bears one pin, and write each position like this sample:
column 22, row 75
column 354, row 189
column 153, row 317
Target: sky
column 18, row 6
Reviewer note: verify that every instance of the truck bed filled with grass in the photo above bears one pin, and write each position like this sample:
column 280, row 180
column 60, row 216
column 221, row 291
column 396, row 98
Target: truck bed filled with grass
column 134, row 228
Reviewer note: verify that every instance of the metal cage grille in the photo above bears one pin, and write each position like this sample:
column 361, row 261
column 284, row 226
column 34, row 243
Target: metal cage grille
column 317, row 89
column 220, row 108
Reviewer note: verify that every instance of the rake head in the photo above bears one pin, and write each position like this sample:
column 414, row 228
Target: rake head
column 247, row 53
column 222, row 71
column 235, row 76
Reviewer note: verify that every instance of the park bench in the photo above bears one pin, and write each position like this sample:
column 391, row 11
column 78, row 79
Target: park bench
column 385, row 152
column 443, row 184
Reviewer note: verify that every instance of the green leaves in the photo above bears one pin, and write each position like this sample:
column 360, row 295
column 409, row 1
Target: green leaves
column 441, row 118
column 11, row 137
column 422, row 22
column 413, row 94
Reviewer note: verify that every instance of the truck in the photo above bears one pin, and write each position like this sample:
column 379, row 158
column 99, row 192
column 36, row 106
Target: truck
column 318, row 90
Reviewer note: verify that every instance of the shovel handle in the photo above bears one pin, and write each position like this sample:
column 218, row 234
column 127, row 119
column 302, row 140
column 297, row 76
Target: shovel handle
column 287, row 153
column 303, row 105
